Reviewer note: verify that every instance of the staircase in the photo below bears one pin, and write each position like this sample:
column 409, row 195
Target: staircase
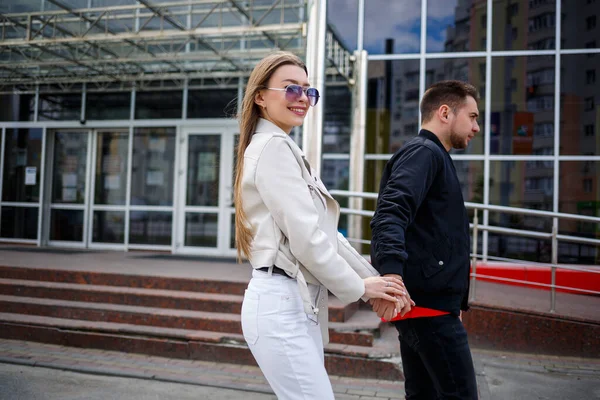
column 171, row 317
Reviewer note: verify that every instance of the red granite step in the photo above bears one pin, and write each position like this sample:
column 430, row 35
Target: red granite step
column 379, row 363
column 123, row 280
column 356, row 333
column 98, row 282
column 158, row 298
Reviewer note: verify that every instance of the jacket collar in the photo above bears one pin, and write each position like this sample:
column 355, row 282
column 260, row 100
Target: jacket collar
column 431, row 136
column 266, row 126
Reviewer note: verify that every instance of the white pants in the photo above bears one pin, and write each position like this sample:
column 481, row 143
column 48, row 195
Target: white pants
column 285, row 342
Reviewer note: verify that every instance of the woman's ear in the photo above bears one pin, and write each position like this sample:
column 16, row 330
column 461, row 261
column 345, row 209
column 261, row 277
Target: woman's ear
column 258, row 99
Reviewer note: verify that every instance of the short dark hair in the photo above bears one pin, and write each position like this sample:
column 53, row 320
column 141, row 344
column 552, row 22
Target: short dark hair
column 452, row 93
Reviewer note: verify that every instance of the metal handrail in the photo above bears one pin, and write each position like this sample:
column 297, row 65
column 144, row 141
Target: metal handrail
column 476, row 226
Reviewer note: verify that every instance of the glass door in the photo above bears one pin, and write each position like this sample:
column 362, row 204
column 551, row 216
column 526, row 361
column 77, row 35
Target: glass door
column 88, row 189
column 206, row 197
column 67, row 216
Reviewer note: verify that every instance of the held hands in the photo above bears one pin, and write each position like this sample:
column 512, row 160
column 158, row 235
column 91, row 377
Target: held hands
column 389, row 309
column 384, row 287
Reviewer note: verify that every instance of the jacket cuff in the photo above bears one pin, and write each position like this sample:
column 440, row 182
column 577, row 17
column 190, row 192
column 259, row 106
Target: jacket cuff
column 391, row 265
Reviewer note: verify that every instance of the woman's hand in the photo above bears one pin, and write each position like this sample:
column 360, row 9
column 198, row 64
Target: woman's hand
column 384, row 287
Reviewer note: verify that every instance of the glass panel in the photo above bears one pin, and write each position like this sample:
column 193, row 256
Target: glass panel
column 335, row 176
column 70, row 158
column 470, row 176
column 108, row 105
column 580, row 105
column 518, row 247
column 580, row 24
column 109, row 227
column 212, row 103
column 470, row 70
column 454, row 25
column 153, row 166
column 337, row 119
column 392, row 26
column 158, row 105
column 150, row 227
column 19, row 222
column 342, row 18
column 522, row 107
column 59, row 106
column 22, row 165
column 524, row 25
column 111, row 168
column 521, row 184
column 579, row 194
column 232, row 238
column 17, row 107
column 201, row 230
column 392, row 105
column 204, row 156
column 19, row 6
column 525, row 184
column 66, row 225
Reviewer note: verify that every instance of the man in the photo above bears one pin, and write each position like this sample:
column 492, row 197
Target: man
column 421, row 234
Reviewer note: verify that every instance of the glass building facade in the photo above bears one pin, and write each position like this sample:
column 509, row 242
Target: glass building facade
column 148, row 163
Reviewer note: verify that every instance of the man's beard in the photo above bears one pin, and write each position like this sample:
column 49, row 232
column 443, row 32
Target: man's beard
column 457, row 141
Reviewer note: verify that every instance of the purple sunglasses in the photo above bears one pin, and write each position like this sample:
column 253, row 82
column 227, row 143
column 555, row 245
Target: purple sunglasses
column 294, row 92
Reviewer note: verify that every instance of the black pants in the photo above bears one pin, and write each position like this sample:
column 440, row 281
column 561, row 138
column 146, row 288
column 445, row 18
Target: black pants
column 436, row 359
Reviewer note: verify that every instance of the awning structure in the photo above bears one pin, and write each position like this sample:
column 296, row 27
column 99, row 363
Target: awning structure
column 143, row 42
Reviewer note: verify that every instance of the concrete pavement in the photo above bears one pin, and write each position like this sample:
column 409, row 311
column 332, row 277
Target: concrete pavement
column 500, row 376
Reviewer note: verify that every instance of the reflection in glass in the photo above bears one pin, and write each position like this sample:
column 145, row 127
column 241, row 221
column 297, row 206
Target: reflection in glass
column 111, row 105
column 158, row 105
column 470, row 70
column 69, row 172
column 213, row 103
column 522, row 117
column 22, row 165
column 522, row 184
column 525, row 25
column 153, row 162
column 59, row 106
column 580, row 81
column 201, row 230
column 580, row 24
column 579, row 193
column 335, row 176
column 337, row 119
column 392, row 26
column 111, row 168
column 454, row 25
column 392, row 105
column 232, row 236
column 470, row 176
column 150, row 227
column 17, row 107
column 109, row 227
column 342, row 18
column 66, row 225
column 19, row 222
column 204, row 155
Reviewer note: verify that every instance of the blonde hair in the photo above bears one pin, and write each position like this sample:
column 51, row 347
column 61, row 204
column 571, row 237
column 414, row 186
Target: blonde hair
column 248, row 118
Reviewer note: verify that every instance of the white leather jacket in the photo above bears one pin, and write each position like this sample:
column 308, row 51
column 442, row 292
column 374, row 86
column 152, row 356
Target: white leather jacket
column 294, row 220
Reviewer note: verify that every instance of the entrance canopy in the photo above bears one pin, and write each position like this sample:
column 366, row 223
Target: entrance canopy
column 120, row 43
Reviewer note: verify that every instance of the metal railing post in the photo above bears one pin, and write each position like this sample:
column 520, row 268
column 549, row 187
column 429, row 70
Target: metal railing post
column 474, row 257
column 553, row 267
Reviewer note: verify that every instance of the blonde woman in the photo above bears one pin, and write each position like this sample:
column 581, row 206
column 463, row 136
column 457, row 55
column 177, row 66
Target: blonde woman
column 286, row 225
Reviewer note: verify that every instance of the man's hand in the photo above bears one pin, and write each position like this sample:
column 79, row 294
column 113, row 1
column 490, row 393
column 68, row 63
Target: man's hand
column 384, row 309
